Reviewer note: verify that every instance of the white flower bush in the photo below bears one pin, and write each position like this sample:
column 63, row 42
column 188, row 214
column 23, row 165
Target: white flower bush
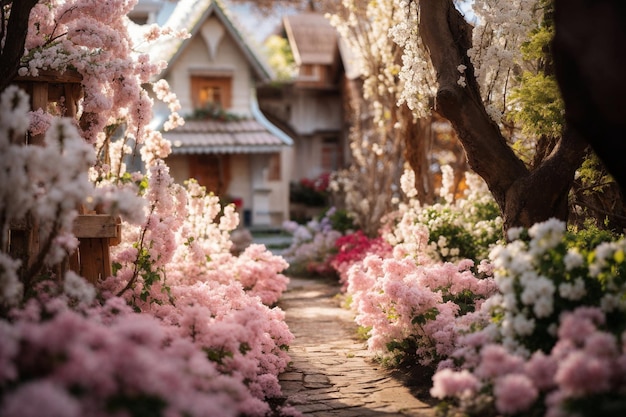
column 456, row 228
column 554, row 344
column 535, row 327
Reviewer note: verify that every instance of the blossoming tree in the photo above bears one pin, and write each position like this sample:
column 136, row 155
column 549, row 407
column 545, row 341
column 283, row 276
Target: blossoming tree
column 475, row 68
column 495, row 82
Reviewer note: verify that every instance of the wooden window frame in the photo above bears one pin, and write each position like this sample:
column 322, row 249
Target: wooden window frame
column 331, row 154
column 223, row 83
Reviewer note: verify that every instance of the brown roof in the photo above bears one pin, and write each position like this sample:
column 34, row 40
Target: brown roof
column 312, row 38
column 212, row 136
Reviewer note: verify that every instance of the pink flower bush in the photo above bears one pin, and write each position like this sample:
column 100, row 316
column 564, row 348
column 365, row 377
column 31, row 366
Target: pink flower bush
column 224, row 349
column 448, row 383
column 579, row 373
column 409, row 301
column 114, row 359
column 565, row 357
column 259, row 273
column 514, row 393
column 180, row 328
column 414, row 307
column 178, row 266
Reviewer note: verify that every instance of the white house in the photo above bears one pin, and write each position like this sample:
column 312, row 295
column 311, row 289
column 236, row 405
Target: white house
column 238, row 154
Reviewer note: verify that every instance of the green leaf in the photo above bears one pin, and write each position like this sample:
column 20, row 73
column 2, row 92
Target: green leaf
column 427, row 316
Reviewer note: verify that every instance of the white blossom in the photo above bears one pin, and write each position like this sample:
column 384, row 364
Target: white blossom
column 573, row 291
column 522, row 325
column 77, row 287
column 10, row 286
column 573, row 259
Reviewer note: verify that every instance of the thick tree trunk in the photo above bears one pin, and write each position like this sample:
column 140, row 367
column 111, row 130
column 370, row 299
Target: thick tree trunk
column 524, row 197
column 16, row 29
column 418, row 145
column 590, row 57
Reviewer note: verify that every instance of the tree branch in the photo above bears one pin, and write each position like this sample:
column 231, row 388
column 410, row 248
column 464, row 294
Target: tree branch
column 447, row 36
column 16, row 31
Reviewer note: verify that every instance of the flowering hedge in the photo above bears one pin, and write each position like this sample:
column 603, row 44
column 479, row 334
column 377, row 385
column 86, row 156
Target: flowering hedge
column 180, row 328
column 555, row 342
column 535, row 328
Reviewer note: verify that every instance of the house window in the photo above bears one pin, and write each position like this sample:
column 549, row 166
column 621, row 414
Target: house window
column 309, row 72
column 332, row 154
column 211, row 91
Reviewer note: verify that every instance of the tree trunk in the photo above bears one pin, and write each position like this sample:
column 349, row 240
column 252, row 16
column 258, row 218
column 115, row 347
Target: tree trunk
column 15, row 30
column 418, row 145
column 524, row 197
column 590, row 57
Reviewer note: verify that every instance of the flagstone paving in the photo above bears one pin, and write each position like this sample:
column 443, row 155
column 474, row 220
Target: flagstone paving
column 331, row 373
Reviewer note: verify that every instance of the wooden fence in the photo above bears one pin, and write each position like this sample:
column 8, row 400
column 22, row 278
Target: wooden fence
column 96, row 232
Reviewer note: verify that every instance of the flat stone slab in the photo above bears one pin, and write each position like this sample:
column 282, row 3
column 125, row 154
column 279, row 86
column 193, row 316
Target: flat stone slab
column 331, row 373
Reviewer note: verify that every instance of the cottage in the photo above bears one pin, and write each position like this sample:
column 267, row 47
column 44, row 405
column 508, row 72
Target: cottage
column 227, row 144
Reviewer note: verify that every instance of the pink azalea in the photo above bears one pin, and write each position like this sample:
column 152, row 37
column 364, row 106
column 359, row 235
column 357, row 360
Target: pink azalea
column 578, row 326
column 497, row 361
column 514, row 393
column 541, row 369
column 601, row 345
column 449, row 383
column 29, row 400
column 579, row 374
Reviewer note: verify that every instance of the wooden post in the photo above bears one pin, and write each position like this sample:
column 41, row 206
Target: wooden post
column 96, row 232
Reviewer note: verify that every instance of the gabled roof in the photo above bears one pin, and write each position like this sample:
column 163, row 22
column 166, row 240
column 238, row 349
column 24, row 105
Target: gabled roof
column 312, row 38
column 190, row 15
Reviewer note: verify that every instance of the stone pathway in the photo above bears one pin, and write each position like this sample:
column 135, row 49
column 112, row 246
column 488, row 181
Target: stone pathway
column 332, row 374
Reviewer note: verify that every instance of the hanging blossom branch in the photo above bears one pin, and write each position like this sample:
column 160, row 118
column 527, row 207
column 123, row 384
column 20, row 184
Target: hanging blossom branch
column 92, row 38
